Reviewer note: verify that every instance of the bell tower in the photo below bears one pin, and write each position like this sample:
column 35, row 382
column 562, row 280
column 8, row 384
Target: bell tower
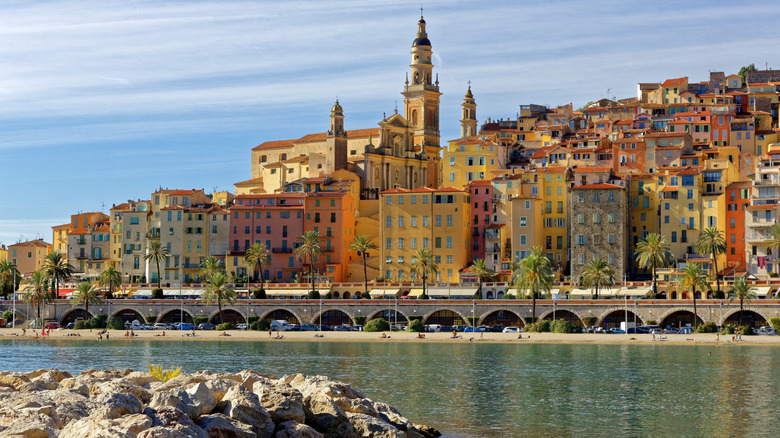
column 336, row 141
column 468, row 123
column 421, row 101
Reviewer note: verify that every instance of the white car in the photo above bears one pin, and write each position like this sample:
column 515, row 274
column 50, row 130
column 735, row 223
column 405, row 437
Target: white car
column 765, row 330
column 512, row 330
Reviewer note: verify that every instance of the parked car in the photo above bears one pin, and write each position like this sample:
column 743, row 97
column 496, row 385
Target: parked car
column 184, row 326
column 498, row 328
column 293, row 328
column 671, row 331
column 470, row 329
column 279, row 325
column 324, row 328
column 511, row 330
column 162, row 326
column 243, row 326
column 616, row 331
column 70, row 326
column 358, row 328
column 686, row 331
column 342, row 328
column 206, row 326
column 765, row 330
column 307, row 327
column 147, row 327
column 52, row 326
column 459, row 328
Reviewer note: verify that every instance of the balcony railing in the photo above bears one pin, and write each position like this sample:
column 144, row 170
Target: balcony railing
column 281, row 250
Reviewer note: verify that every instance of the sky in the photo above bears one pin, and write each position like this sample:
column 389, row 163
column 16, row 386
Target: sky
column 101, row 102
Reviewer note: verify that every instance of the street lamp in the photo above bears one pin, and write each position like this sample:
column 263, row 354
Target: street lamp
column 449, row 287
column 320, row 326
column 474, row 316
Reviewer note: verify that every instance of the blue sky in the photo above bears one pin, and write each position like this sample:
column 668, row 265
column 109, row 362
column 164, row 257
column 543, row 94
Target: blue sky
column 101, row 102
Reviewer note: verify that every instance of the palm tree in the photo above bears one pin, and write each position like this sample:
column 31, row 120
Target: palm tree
column 210, row 266
column 535, row 274
column 156, row 253
column 38, row 290
column 218, row 290
column 742, row 291
column 362, row 244
column 482, row 272
column 258, row 256
column 309, row 249
column 86, row 293
column 653, row 251
column 111, row 278
column 598, row 273
column 424, row 263
column 57, row 268
column 9, row 276
column 711, row 241
column 694, row 278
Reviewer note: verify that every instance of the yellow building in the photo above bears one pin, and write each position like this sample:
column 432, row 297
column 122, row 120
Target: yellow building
column 552, row 189
column 424, row 218
column 525, row 226
column 680, row 202
column 643, row 216
column 60, row 238
column 471, row 159
column 3, row 253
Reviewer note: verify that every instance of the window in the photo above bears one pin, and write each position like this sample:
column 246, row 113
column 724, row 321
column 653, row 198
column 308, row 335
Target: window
column 400, row 243
column 611, row 196
column 581, row 259
column 449, row 242
column 400, row 200
column 425, row 221
column 437, row 242
column 425, row 243
column 596, row 197
column 400, row 221
column 437, row 221
column 413, row 243
column 449, row 261
column 582, row 239
column 388, row 243
column 581, row 197
column 580, row 218
column 452, row 161
column 449, row 220
column 611, row 238
column 523, row 221
column 674, row 236
column 596, row 218
column 388, row 221
column 388, row 200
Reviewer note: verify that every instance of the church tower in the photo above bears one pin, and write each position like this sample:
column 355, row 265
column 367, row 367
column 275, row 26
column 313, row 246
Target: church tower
column 421, row 99
column 336, row 141
column 468, row 124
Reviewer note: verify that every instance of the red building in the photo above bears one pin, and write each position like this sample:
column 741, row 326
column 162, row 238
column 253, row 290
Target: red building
column 737, row 201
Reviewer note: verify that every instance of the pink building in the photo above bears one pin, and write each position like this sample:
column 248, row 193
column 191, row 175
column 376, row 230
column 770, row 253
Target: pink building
column 482, row 205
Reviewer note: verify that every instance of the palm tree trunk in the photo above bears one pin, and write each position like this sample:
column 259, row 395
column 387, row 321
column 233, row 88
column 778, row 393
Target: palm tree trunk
column 365, row 274
column 262, row 276
column 311, row 271
column 533, row 305
column 740, row 311
column 219, row 305
column 159, row 278
column 715, row 265
column 655, row 285
column 695, row 313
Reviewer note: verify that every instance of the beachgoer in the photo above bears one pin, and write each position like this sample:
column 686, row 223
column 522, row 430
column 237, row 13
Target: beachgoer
column 383, row 336
column 519, row 336
column 420, row 335
column 193, row 333
column 127, row 334
column 24, row 332
column 481, row 335
column 270, row 333
column 224, row 334
column 654, row 336
column 163, row 333
column 132, row 333
column 717, row 337
column 43, row 332
column 454, row 334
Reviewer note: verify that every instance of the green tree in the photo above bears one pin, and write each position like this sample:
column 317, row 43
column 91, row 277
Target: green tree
column 57, row 269
column 217, row 290
column 424, row 263
column 597, row 273
column 210, row 266
column 9, row 276
column 258, row 257
column 534, row 273
column 86, row 293
column 112, row 278
column 38, row 290
column 653, row 251
column 693, row 278
column 309, row 249
column 363, row 244
column 743, row 291
column 712, row 241
column 482, row 272
column 157, row 253
column 743, row 72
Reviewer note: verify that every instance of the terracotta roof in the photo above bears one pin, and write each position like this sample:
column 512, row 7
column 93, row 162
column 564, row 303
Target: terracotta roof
column 597, row 186
column 248, row 182
column 762, row 207
column 739, row 185
column 677, row 81
column 669, row 189
column 320, row 136
column 422, row 190
column 480, row 182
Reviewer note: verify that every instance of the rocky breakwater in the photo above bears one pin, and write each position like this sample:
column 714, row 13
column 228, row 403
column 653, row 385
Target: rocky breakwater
column 126, row 403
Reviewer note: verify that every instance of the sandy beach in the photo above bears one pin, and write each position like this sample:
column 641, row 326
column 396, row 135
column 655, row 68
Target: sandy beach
column 239, row 335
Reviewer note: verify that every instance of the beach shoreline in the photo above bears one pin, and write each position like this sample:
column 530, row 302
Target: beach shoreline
column 527, row 338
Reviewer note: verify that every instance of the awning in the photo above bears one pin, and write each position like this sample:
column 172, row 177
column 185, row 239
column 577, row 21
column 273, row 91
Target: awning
column 632, row 292
column 288, row 292
column 415, row 292
column 761, row 291
column 452, row 291
column 575, row 291
column 384, row 292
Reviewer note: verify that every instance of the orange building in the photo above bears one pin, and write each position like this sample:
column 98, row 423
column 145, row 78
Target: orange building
column 28, row 256
column 332, row 216
column 737, row 201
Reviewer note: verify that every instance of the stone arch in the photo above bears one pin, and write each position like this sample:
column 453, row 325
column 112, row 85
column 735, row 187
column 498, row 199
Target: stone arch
column 174, row 316
column 281, row 313
column 751, row 317
column 345, row 295
column 564, row 314
column 444, row 317
column 332, row 317
column 389, row 315
column 334, row 294
column 228, row 315
column 677, row 310
column 128, row 315
column 615, row 315
column 679, row 319
column 74, row 315
column 489, row 295
column 505, row 317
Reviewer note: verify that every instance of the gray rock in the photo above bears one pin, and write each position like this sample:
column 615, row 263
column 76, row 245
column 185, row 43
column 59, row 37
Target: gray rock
column 372, row 427
column 93, row 428
column 117, row 405
column 326, row 417
column 29, row 429
column 219, row 387
column 171, row 423
column 222, row 426
column 282, row 402
column 195, row 401
column 243, row 405
column 122, row 386
column 291, row 429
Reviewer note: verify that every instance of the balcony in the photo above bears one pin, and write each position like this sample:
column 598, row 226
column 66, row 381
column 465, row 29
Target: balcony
column 765, row 182
column 81, row 241
column 756, row 237
column 760, row 223
column 281, row 250
column 495, row 249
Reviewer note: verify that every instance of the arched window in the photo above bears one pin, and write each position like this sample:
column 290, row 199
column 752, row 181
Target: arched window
column 282, row 157
column 414, row 117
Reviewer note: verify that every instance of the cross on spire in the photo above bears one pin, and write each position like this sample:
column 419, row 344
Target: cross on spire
column 421, row 11
column 469, row 82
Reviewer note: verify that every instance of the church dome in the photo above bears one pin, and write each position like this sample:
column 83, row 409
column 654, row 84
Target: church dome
column 421, row 42
column 337, row 108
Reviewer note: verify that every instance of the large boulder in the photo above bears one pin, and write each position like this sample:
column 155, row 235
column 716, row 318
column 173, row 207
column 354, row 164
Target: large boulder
column 169, row 422
column 243, row 405
column 196, row 401
column 326, row 417
column 282, row 402
column 115, row 405
column 291, row 429
column 222, row 426
column 372, row 427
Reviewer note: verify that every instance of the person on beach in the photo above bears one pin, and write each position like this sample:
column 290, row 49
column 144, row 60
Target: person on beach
column 224, row 334
column 481, row 336
column 519, row 336
column 127, row 334
column 383, row 336
column 270, row 333
column 420, row 335
column 24, row 332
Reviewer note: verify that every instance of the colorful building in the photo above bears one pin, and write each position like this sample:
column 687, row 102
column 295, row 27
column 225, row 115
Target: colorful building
column 28, row 256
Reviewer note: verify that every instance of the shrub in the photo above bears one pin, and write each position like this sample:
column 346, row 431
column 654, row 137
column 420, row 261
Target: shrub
column 423, row 297
column 651, row 322
column 314, row 295
column 744, row 330
column 707, row 327
column 589, row 321
column 563, row 326
column 226, row 326
column 259, row 293
column 253, row 318
column 360, row 320
column 151, row 319
column 377, row 325
column 728, row 329
column 83, row 324
column 416, row 326
column 8, row 315
column 509, row 297
column 198, row 320
column 718, row 295
column 328, row 296
column 116, row 324
column 96, row 323
column 775, row 323
column 472, row 320
column 163, row 375
column 415, row 318
column 254, row 325
column 263, row 325
column 539, row 327
column 157, row 294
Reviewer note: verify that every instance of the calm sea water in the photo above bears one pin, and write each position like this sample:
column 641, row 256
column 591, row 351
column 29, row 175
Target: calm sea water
column 488, row 390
